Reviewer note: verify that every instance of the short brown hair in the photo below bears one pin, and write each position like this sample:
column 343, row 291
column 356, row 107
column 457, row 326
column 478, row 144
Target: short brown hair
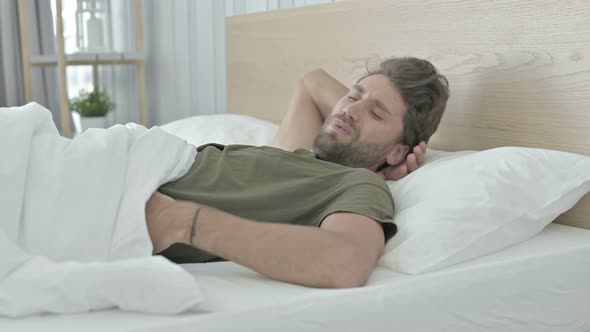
column 425, row 93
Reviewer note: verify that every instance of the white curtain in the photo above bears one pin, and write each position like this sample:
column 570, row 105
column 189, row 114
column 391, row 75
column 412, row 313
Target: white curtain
column 11, row 81
column 185, row 58
column 41, row 41
column 119, row 82
column 240, row 7
column 185, row 47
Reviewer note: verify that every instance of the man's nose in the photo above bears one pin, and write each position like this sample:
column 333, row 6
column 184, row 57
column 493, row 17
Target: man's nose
column 353, row 111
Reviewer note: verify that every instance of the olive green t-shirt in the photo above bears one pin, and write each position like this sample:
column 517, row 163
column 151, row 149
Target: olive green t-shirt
column 267, row 184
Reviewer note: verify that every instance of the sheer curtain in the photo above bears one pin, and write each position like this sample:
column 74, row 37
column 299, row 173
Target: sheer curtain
column 41, row 41
column 11, row 82
column 120, row 81
column 185, row 55
column 185, row 48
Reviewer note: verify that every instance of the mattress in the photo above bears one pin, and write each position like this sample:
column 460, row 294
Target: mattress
column 539, row 285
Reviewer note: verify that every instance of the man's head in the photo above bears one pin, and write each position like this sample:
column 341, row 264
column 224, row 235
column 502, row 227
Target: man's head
column 389, row 111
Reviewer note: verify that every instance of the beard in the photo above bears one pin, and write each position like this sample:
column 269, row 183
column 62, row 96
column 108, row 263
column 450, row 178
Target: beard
column 352, row 154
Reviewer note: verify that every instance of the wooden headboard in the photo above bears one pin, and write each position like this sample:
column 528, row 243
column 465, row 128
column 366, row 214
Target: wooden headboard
column 519, row 71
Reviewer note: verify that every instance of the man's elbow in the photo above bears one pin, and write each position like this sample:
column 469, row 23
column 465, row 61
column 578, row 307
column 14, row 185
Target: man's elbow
column 350, row 280
column 355, row 269
column 314, row 73
column 312, row 79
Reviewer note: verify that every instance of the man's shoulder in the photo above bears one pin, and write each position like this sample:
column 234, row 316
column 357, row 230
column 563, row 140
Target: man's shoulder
column 364, row 175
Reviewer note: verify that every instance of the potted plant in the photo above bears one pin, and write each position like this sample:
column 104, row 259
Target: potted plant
column 89, row 109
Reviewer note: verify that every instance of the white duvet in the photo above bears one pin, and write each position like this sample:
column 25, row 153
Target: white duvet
column 73, row 236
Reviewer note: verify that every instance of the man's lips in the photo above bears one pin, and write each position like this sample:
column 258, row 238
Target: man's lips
column 341, row 127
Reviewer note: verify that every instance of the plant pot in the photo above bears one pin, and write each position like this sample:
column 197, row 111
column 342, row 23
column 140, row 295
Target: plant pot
column 82, row 123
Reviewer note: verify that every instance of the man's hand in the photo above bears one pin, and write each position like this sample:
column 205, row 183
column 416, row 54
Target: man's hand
column 168, row 220
column 410, row 164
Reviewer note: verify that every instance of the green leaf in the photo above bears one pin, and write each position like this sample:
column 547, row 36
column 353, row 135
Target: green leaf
column 92, row 104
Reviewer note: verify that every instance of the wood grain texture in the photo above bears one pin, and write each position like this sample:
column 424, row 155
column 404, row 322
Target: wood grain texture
column 64, row 103
column 519, row 71
column 25, row 49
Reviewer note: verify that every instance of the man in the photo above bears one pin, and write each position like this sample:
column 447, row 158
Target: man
column 254, row 205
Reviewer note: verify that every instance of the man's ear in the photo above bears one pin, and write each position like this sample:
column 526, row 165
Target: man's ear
column 397, row 154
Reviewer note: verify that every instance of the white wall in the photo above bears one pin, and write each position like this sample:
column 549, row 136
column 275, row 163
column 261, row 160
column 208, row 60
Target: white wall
column 185, row 47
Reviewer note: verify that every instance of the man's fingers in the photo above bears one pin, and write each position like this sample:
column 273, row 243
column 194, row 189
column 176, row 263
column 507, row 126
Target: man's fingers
column 403, row 170
column 398, row 173
column 393, row 172
column 411, row 162
column 419, row 153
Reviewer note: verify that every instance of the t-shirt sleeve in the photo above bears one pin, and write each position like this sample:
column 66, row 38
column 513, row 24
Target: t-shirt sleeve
column 368, row 200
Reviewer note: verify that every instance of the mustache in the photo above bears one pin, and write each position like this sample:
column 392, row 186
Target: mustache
column 344, row 119
column 352, row 125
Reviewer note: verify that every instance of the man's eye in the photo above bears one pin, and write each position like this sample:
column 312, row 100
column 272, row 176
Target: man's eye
column 351, row 98
column 375, row 115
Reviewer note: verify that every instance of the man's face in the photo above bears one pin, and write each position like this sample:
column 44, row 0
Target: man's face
column 365, row 126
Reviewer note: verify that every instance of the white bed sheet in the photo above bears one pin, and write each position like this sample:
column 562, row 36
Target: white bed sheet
column 542, row 284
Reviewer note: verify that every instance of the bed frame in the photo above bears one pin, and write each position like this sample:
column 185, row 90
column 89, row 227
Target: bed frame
column 519, row 71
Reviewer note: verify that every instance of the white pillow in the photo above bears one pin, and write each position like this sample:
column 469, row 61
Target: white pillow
column 462, row 205
column 226, row 128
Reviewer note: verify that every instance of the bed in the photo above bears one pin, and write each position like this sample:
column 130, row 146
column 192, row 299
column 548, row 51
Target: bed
column 520, row 76
column 539, row 285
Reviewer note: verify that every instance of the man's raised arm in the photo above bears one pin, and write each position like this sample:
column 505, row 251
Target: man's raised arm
column 312, row 102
